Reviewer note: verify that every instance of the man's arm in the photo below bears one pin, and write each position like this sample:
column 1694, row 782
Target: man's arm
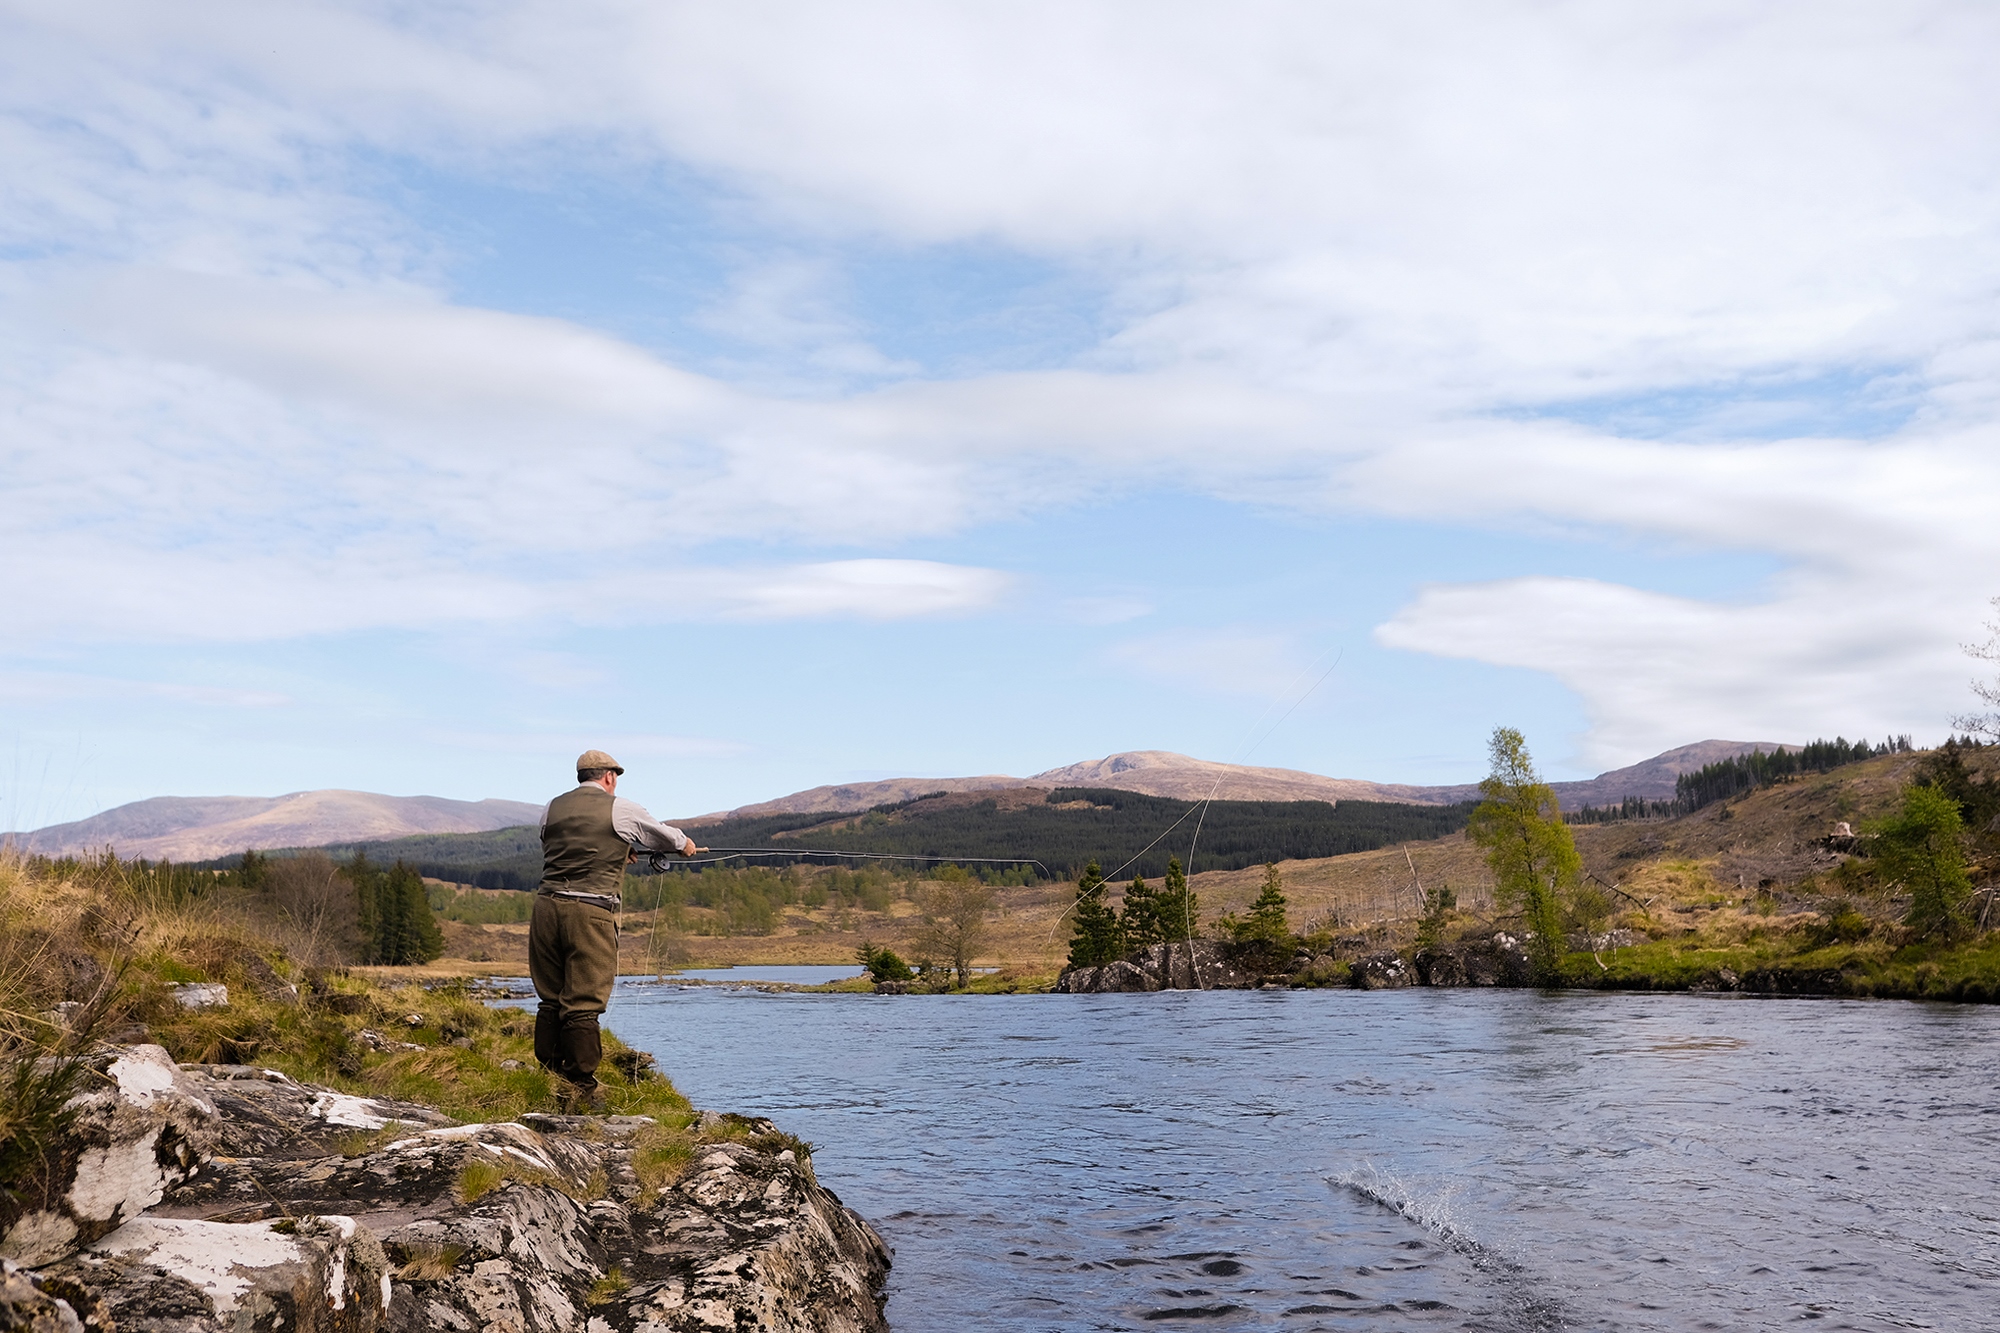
column 645, row 833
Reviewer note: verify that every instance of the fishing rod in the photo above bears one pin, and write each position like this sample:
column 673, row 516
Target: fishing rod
column 661, row 861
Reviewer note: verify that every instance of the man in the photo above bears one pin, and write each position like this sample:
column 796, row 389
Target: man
column 589, row 836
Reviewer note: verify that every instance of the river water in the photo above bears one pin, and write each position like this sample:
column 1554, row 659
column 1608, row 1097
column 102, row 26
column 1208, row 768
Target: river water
column 1491, row 1160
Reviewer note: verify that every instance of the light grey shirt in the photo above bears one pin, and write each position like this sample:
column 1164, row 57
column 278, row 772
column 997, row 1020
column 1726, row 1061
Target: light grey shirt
column 639, row 830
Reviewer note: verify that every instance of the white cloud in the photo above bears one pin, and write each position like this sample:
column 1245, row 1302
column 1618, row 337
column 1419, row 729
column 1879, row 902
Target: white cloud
column 1347, row 250
column 48, row 686
column 625, row 746
column 1817, row 662
column 872, row 589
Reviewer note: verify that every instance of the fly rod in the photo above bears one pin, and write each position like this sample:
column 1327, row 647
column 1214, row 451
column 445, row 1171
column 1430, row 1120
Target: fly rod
column 662, row 861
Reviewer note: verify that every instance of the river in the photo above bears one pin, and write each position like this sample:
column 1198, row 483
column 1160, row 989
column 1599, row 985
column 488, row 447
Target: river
column 1421, row 1159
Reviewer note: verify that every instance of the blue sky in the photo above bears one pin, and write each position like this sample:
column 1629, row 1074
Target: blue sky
column 778, row 395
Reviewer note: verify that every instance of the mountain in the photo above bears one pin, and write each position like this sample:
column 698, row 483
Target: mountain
column 195, row 828
column 1164, row 773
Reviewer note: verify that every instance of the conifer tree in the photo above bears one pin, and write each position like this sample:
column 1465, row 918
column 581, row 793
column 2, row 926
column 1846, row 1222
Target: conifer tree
column 1266, row 923
column 254, row 873
column 367, row 882
column 393, row 911
column 1140, row 919
column 1096, row 939
column 1179, row 910
column 1528, row 846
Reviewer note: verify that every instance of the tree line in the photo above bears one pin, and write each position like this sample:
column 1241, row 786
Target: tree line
column 1074, row 826
column 1071, row 827
column 1727, row 779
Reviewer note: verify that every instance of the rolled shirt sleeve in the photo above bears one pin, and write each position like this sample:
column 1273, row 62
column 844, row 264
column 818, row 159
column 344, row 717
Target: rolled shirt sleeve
column 639, row 829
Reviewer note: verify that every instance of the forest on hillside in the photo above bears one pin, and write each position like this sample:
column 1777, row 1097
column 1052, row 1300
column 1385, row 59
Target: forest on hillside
column 1727, row 779
column 1060, row 834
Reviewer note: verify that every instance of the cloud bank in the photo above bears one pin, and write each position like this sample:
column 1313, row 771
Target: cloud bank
column 1428, row 263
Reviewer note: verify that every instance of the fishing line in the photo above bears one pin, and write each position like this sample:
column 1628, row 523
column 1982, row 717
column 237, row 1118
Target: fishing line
column 741, row 853
column 1202, row 805
column 1187, row 899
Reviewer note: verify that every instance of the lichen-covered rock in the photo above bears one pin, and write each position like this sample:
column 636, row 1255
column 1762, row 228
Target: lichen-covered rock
column 261, row 1113
column 1383, row 971
column 1201, row 965
column 556, row 1232
column 139, row 1128
column 318, row 1274
column 1499, row 961
column 30, row 1303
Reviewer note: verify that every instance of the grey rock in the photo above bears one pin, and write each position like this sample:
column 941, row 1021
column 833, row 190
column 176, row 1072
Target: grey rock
column 262, row 1114
column 31, row 1303
column 1201, row 965
column 1383, row 971
column 317, row 1274
column 139, row 1129
column 284, row 1229
column 200, row 995
column 1499, row 961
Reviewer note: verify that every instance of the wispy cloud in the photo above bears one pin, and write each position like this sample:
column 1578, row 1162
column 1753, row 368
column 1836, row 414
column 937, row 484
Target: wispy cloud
column 1356, row 259
column 46, row 686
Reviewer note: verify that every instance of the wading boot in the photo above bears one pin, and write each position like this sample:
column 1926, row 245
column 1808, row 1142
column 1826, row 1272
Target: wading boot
column 582, row 1050
column 548, row 1039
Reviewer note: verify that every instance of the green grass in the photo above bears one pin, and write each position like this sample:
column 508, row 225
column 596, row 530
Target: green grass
column 1796, row 963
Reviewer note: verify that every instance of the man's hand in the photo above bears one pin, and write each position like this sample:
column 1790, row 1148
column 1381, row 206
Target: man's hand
column 689, row 849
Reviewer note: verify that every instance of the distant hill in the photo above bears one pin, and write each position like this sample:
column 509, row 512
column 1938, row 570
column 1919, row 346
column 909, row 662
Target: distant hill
column 197, row 828
column 1062, row 829
column 1164, row 773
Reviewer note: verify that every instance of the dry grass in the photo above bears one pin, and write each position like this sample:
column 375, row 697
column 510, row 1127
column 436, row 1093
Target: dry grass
column 430, row 1263
column 117, row 940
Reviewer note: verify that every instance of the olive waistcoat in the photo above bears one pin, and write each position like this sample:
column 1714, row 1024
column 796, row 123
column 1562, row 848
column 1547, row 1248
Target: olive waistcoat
column 581, row 851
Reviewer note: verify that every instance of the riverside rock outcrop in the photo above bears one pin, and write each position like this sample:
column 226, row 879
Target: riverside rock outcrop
column 1501, row 960
column 303, row 1208
column 1201, row 965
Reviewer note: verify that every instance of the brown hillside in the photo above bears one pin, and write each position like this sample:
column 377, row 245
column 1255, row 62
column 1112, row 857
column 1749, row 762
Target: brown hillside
column 1768, row 838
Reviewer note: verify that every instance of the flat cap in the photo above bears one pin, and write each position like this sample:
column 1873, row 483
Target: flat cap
column 597, row 759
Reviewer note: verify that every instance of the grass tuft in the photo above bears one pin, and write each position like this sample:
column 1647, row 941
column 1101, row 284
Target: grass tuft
column 607, row 1288
column 430, row 1263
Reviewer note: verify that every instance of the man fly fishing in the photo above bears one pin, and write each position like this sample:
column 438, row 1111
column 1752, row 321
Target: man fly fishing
column 589, row 835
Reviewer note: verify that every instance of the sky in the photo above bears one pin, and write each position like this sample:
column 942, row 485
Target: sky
column 406, row 398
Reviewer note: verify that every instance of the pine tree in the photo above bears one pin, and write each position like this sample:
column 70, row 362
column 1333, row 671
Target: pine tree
column 1266, row 923
column 1096, row 939
column 1529, row 847
column 1180, row 911
column 1140, row 919
column 410, row 931
column 367, row 882
column 254, row 873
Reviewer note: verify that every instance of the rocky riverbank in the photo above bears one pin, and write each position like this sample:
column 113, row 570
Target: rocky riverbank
column 187, row 1198
column 1210, row 965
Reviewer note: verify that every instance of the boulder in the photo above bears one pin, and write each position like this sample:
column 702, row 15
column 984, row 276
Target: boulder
column 316, row 1274
column 1125, row 976
column 280, row 1229
column 136, row 1128
column 1202, row 965
column 265, row 1115
column 32, row 1303
column 1499, row 961
column 1383, row 971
